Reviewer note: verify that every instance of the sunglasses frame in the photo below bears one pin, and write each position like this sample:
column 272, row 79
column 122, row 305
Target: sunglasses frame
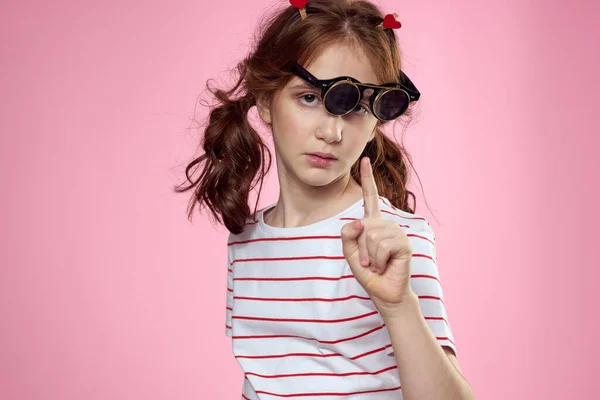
column 325, row 85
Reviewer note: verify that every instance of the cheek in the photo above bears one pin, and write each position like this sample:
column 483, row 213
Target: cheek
column 290, row 128
column 294, row 120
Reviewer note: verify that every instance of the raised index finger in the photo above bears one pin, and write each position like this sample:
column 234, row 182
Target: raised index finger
column 370, row 193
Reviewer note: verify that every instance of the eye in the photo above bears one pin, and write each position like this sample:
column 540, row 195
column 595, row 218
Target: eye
column 362, row 109
column 310, row 99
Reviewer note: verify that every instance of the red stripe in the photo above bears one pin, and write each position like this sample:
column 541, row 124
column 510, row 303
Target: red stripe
column 317, row 237
column 317, row 355
column 323, row 373
column 324, row 321
column 445, row 338
column 431, row 298
column 327, row 393
column 403, row 217
column 230, row 290
column 230, row 309
column 320, row 278
column 274, row 239
column 305, row 278
column 386, row 202
column 289, row 258
column 322, row 341
column 389, row 203
column 305, row 237
column 301, row 298
column 424, row 256
column 425, row 276
column 307, row 338
column 436, row 319
column 398, row 215
column 229, row 270
column 352, row 219
column 308, row 258
column 245, row 398
column 420, row 237
column 371, row 352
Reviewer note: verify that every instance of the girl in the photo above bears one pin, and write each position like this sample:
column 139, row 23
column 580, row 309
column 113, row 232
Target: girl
column 333, row 291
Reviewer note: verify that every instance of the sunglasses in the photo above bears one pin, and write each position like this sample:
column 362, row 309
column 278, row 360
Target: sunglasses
column 341, row 95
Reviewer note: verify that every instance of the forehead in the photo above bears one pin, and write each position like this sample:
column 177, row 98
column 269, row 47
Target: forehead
column 341, row 60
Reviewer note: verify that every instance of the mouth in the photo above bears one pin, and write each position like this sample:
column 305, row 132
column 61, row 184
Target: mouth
column 325, row 156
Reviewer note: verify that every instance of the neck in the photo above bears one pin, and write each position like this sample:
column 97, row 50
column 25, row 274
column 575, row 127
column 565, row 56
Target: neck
column 301, row 205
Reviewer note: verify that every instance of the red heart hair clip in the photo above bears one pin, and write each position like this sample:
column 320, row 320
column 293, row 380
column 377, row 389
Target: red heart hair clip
column 301, row 6
column 389, row 21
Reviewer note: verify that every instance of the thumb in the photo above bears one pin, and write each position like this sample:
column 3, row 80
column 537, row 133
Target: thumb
column 350, row 233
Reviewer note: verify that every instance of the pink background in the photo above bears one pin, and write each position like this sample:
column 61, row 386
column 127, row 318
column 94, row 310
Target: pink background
column 108, row 292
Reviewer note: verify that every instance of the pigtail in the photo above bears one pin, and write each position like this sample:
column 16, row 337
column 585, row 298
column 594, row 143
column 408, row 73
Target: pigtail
column 234, row 153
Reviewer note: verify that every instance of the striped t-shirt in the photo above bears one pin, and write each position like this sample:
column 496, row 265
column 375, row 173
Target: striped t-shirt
column 303, row 327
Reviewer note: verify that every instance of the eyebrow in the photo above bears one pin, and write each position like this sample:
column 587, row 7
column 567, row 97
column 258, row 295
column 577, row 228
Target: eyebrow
column 303, row 85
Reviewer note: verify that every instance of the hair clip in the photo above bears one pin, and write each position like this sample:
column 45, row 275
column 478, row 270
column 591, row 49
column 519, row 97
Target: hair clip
column 301, row 6
column 390, row 22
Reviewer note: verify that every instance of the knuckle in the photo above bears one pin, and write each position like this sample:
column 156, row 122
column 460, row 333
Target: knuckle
column 372, row 235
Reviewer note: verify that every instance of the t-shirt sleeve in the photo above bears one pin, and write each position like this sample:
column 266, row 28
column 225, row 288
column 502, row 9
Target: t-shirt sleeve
column 229, row 303
column 425, row 282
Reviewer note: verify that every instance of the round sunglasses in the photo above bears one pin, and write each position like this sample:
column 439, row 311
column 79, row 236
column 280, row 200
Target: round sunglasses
column 341, row 95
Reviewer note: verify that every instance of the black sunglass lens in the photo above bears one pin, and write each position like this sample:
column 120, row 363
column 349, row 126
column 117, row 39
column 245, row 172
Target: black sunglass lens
column 341, row 98
column 391, row 104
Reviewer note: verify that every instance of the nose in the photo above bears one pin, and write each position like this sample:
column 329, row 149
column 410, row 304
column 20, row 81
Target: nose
column 330, row 130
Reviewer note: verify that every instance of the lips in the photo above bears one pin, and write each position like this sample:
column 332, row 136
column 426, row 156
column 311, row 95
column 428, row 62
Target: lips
column 327, row 156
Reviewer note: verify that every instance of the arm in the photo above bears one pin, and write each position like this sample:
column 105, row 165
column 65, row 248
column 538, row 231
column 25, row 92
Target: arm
column 427, row 370
column 397, row 269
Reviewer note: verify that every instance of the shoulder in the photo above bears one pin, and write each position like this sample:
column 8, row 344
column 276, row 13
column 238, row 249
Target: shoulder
column 417, row 229
column 413, row 223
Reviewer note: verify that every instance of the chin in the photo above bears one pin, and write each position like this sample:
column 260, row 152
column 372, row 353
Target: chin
column 319, row 177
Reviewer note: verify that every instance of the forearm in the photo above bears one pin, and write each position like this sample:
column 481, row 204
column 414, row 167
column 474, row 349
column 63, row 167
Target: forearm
column 424, row 368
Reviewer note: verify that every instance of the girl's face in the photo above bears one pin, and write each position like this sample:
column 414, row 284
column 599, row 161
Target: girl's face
column 301, row 125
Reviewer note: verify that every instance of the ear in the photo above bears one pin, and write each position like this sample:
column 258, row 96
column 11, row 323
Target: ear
column 264, row 109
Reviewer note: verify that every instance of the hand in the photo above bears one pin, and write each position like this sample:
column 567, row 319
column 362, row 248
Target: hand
column 377, row 250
